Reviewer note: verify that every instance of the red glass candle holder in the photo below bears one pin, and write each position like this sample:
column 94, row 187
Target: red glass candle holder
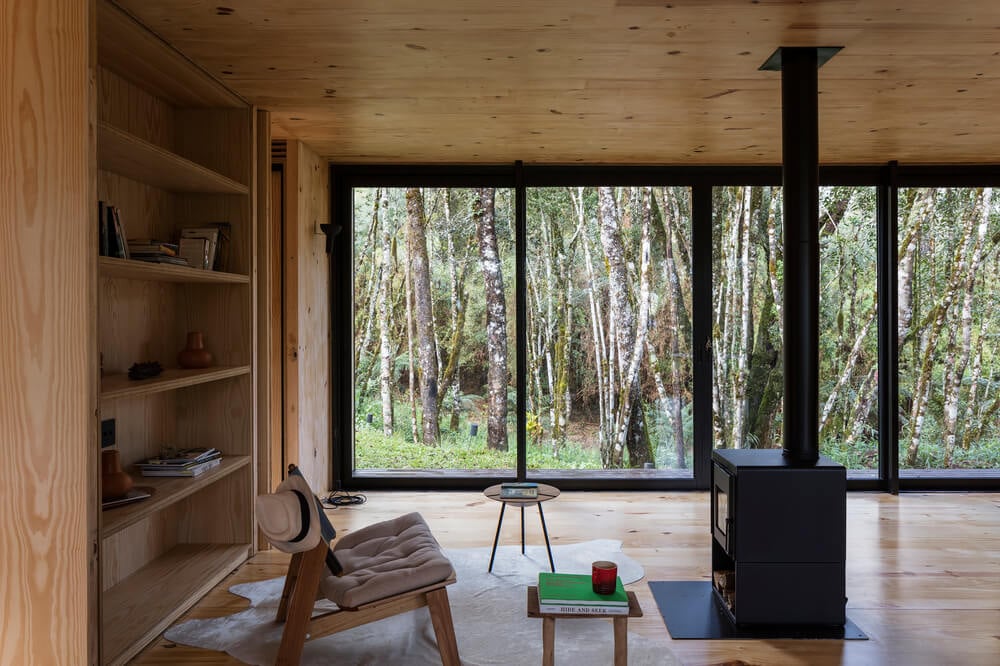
column 604, row 575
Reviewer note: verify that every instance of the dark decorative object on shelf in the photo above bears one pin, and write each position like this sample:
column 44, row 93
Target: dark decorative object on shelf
column 144, row 370
column 194, row 355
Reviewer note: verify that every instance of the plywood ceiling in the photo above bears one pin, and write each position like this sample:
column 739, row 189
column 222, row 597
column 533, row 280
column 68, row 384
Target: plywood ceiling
column 599, row 81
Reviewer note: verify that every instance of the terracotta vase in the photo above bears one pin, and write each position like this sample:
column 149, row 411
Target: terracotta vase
column 194, row 355
column 115, row 482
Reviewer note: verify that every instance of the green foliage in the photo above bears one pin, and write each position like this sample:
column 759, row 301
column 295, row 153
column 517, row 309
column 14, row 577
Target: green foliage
column 458, row 451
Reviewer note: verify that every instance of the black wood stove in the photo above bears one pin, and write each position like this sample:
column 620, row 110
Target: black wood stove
column 779, row 538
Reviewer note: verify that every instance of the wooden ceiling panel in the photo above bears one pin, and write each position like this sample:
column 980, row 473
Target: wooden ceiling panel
column 629, row 82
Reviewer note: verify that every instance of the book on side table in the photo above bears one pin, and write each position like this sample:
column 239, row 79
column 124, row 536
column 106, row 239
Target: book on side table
column 573, row 594
column 519, row 490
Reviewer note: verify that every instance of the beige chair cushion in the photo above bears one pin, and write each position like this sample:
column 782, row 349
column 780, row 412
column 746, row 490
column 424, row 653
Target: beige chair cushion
column 386, row 559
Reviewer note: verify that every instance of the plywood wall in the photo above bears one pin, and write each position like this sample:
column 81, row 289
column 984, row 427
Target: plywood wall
column 308, row 336
column 47, row 333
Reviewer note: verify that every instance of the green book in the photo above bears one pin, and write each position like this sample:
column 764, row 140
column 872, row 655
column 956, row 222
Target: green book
column 576, row 590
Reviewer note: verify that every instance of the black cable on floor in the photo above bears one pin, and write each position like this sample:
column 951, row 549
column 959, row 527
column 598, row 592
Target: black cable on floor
column 344, row 498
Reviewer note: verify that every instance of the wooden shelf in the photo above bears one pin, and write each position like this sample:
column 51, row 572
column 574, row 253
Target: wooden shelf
column 166, row 491
column 133, row 52
column 139, row 608
column 114, row 387
column 138, row 159
column 146, row 270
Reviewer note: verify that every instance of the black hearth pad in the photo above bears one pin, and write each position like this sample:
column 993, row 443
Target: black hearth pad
column 690, row 610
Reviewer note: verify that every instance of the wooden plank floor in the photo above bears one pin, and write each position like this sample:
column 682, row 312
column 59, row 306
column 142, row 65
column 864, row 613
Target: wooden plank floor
column 923, row 570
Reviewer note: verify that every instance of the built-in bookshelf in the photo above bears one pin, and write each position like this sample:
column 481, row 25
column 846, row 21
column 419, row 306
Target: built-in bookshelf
column 175, row 149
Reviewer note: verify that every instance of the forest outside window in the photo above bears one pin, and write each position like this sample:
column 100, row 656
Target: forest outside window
column 548, row 331
column 747, row 368
column 434, row 324
column 609, row 332
column 948, row 330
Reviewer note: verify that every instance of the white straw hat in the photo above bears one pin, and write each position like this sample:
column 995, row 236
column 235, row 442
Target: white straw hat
column 288, row 516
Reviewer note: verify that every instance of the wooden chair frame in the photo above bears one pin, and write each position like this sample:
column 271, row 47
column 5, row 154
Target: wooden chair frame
column 302, row 589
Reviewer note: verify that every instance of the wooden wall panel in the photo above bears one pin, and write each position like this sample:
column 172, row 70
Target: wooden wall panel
column 215, row 415
column 146, row 212
column 290, row 307
column 130, row 108
column 205, row 128
column 217, row 514
column 47, row 397
column 125, row 552
column 314, row 317
column 307, row 312
column 137, row 324
column 143, row 425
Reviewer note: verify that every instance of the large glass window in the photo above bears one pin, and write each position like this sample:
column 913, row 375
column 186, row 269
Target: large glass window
column 948, row 329
column 608, row 327
column 603, row 310
column 434, row 324
column 748, row 380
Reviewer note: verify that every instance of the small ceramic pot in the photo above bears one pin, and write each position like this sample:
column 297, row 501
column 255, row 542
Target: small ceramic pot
column 115, row 482
column 194, row 355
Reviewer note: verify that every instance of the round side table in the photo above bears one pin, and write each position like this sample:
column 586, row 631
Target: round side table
column 545, row 493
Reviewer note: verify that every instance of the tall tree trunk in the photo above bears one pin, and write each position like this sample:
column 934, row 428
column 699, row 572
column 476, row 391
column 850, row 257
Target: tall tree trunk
column 774, row 249
column 977, row 375
column 597, row 326
column 674, row 301
column 423, row 313
column 913, row 226
column 411, row 368
column 933, row 326
column 457, row 269
column 958, row 365
column 385, row 341
column 847, row 372
column 742, row 340
column 496, row 319
column 630, row 430
column 536, row 353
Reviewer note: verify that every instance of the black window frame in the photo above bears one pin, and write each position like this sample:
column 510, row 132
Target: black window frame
column 887, row 179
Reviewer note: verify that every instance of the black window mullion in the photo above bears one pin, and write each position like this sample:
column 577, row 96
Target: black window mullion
column 888, row 344
column 701, row 330
column 521, row 323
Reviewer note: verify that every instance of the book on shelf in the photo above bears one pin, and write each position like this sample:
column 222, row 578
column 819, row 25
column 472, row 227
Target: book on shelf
column 203, row 242
column 103, row 248
column 195, row 469
column 519, row 490
column 574, row 594
column 194, row 251
column 161, row 259
column 214, row 253
column 154, row 251
column 133, row 495
column 151, row 246
column 183, row 456
column 111, row 241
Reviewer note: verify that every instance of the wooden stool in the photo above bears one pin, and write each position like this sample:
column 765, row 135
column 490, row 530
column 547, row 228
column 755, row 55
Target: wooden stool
column 549, row 627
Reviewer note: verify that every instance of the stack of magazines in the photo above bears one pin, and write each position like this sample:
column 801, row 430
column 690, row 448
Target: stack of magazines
column 181, row 462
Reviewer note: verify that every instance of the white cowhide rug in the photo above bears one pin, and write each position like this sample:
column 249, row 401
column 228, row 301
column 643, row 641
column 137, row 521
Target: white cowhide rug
column 488, row 611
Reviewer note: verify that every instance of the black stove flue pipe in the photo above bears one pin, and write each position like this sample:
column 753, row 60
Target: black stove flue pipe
column 800, row 203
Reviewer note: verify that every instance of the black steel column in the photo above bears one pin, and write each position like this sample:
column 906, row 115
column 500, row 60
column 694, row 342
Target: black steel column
column 800, row 185
column 701, row 332
column 888, row 341
column 800, row 190
column 521, row 316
